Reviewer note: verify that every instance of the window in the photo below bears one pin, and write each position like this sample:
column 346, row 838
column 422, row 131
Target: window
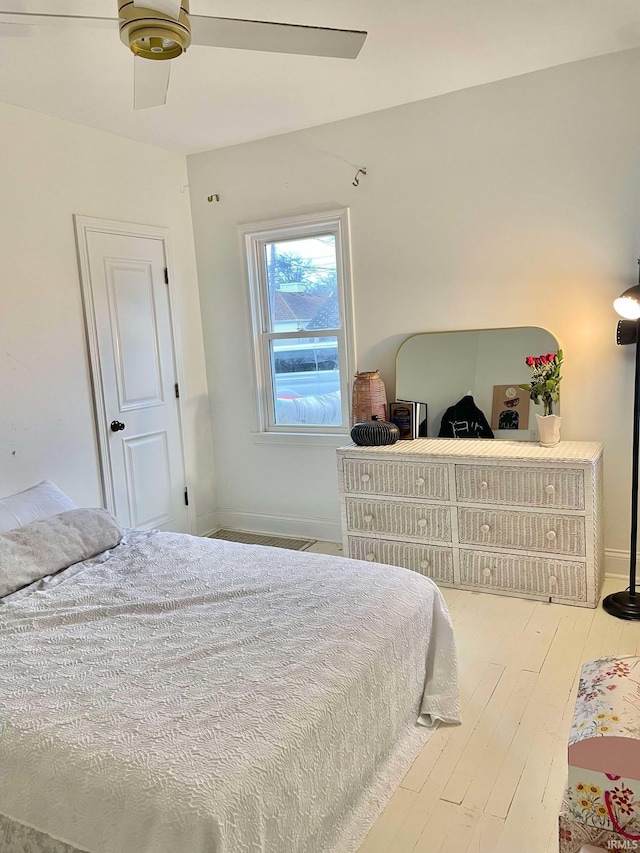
column 299, row 281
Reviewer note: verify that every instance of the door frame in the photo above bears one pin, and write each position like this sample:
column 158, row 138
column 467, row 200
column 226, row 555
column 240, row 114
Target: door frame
column 83, row 226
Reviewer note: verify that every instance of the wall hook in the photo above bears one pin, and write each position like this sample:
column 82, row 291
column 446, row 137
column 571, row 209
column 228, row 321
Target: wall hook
column 356, row 180
column 215, row 196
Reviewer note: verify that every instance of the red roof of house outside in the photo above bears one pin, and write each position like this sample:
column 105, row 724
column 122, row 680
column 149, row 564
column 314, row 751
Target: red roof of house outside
column 295, row 306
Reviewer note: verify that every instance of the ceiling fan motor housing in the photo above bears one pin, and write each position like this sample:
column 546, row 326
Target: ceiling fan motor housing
column 154, row 35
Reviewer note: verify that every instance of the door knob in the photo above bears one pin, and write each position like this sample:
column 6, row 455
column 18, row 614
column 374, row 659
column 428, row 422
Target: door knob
column 116, row 426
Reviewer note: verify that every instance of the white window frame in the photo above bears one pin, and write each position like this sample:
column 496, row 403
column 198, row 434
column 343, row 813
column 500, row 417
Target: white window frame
column 254, row 238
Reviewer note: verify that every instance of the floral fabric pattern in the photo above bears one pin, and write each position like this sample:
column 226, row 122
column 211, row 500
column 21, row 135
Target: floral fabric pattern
column 608, row 700
column 601, row 808
column 584, row 816
column 603, row 801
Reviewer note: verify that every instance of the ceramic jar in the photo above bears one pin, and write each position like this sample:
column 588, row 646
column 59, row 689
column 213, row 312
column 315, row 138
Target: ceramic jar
column 375, row 433
column 549, row 429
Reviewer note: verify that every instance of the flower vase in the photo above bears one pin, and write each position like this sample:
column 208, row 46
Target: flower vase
column 549, row 429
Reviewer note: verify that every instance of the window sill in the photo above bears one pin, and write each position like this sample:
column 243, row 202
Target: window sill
column 305, row 439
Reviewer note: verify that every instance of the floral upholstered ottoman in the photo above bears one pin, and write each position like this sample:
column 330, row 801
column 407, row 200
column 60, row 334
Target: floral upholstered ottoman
column 601, row 805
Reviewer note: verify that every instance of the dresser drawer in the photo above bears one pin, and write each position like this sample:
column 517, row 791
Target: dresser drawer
column 526, row 531
column 407, row 479
column 545, row 487
column 528, row 575
column 433, row 562
column 411, row 520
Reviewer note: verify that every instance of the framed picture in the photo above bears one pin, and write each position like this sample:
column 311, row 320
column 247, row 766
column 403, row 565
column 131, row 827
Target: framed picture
column 403, row 416
column 510, row 408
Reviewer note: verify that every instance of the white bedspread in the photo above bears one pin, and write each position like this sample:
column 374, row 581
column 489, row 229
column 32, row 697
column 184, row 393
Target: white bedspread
column 190, row 695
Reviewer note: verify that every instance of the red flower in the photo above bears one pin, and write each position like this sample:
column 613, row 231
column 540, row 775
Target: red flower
column 620, row 796
column 565, row 834
column 530, row 360
column 543, row 359
column 551, row 356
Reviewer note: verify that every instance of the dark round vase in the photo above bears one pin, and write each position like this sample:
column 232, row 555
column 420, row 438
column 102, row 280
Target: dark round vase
column 375, row 433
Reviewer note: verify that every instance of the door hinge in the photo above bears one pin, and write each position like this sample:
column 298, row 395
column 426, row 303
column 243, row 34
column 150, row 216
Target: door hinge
column 166, row 276
column 186, row 497
column 177, row 390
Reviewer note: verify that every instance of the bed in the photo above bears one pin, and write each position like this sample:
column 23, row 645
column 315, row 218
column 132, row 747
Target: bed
column 176, row 694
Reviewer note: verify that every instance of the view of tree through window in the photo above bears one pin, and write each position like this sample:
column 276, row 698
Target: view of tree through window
column 302, row 283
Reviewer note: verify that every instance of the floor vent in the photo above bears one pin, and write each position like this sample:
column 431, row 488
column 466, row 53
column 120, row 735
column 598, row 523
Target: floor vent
column 262, row 539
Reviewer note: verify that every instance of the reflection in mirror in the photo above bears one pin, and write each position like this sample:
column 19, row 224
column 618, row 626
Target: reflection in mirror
column 439, row 368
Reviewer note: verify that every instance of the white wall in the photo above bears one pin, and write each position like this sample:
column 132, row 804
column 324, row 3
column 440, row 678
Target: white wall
column 49, row 170
column 515, row 203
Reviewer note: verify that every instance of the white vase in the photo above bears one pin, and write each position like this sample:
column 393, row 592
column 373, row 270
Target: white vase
column 549, row 429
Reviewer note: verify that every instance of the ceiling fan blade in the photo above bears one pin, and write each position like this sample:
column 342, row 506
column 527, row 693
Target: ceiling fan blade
column 29, row 19
column 276, row 38
column 167, row 7
column 151, row 82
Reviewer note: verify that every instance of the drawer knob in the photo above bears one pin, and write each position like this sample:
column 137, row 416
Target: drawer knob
column 368, row 519
column 425, row 564
column 484, row 485
column 370, row 557
column 422, row 522
column 553, row 580
column 486, row 572
column 550, row 490
column 551, row 535
column 365, row 478
column 485, row 528
column 420, row 481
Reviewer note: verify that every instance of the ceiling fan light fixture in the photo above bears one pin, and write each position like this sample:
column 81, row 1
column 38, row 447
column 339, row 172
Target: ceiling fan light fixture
column 153, row 35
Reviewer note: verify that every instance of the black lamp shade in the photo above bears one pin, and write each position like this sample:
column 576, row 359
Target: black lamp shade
column 628, row 303
column 626, row 332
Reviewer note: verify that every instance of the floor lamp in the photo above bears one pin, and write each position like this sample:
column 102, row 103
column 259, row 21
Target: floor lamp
column 626, row 604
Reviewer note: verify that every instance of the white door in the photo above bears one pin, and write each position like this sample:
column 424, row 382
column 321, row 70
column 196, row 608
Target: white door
column 128, row 316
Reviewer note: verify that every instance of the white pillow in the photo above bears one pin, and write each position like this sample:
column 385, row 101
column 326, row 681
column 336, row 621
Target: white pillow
column 44, row 547
column 33, row 504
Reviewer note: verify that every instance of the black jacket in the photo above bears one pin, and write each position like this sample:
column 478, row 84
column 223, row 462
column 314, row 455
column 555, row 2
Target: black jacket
column 464, row 420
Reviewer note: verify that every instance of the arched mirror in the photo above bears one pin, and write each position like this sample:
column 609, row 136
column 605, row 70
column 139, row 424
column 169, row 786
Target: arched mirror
column 440, row 368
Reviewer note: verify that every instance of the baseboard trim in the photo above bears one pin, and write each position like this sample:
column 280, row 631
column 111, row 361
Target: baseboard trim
column 616, row 563
column 281, row 525
column 207, row 523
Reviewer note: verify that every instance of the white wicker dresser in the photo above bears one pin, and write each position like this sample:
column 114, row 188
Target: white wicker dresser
column 508, row 517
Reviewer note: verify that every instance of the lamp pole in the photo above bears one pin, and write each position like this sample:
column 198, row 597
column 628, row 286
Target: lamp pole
column 626, row 604
column 634, row 473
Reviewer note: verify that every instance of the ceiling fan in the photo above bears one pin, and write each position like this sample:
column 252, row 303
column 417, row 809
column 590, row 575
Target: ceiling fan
column 166, row 30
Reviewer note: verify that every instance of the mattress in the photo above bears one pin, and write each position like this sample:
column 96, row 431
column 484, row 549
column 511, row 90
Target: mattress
column 189, row 694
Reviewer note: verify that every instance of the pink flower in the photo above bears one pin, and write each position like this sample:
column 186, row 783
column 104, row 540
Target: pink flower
column 611, row 686
column 543, row 359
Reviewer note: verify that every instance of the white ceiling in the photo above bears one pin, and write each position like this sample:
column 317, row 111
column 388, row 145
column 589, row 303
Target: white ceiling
column 415, row 49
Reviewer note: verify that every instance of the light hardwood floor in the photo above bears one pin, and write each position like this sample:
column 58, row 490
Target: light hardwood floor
column 494, row 784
